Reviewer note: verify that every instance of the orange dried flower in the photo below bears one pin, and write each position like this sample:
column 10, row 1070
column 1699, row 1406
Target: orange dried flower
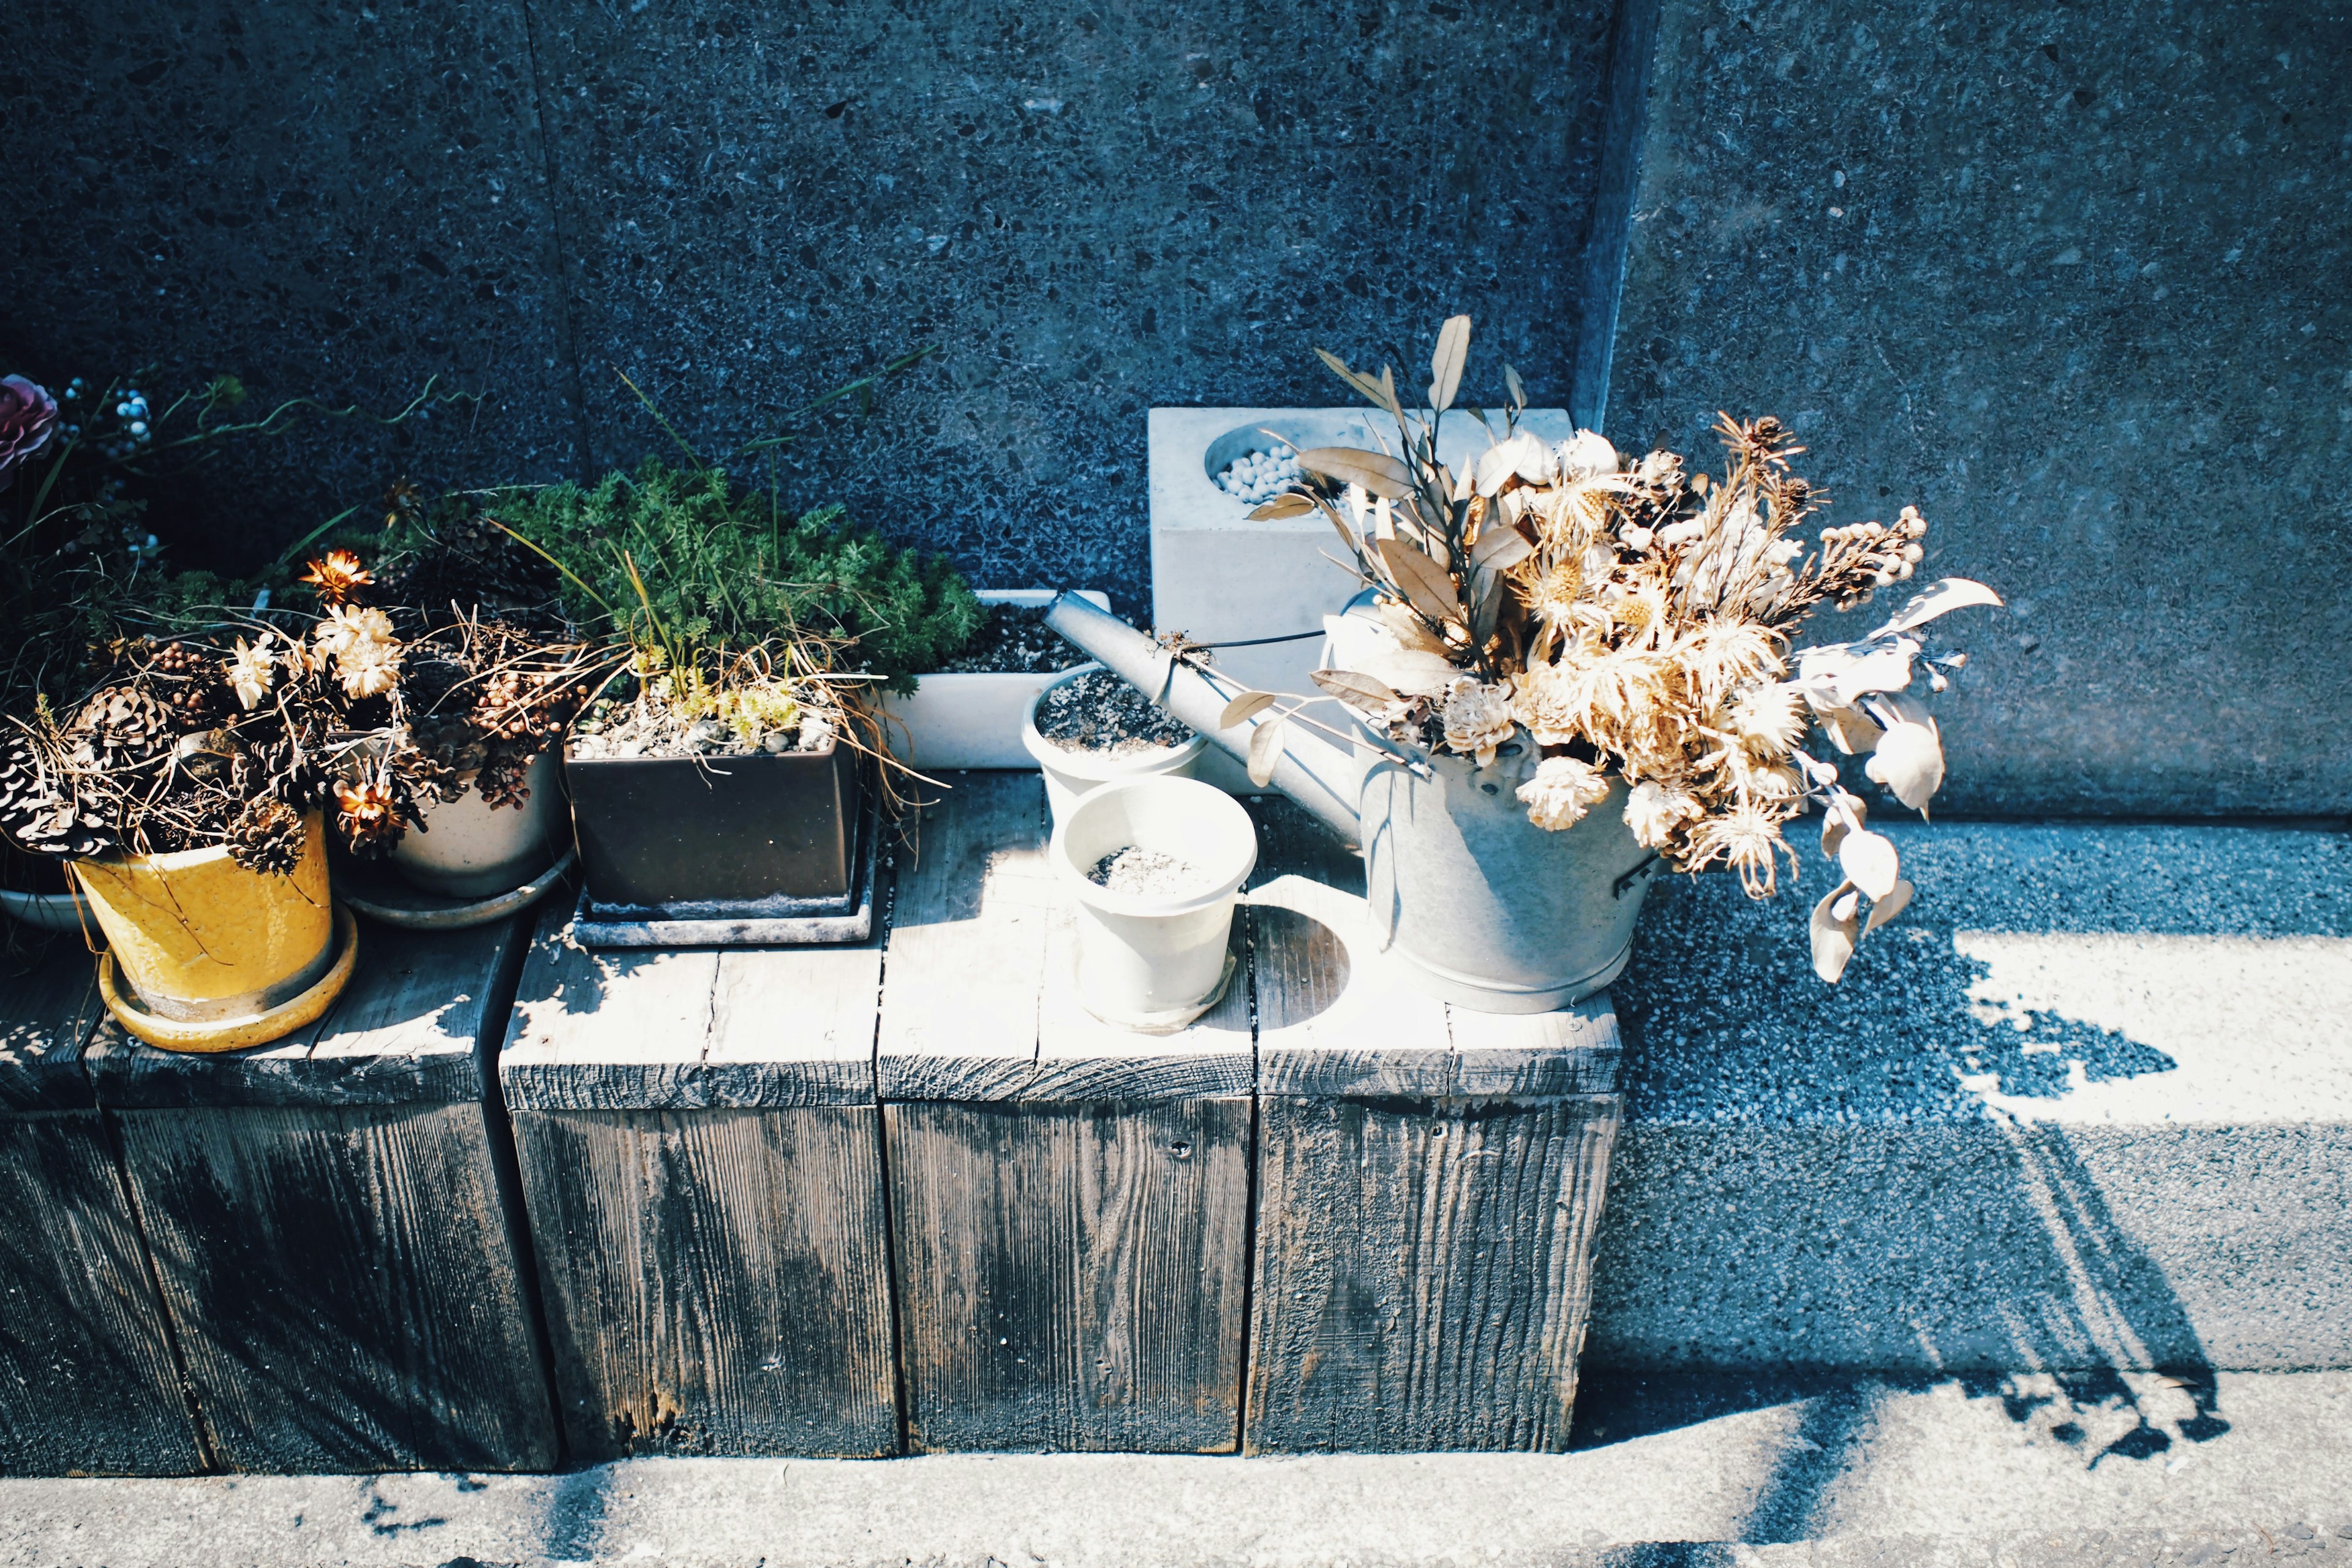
column 337, row 576
column 366, row 813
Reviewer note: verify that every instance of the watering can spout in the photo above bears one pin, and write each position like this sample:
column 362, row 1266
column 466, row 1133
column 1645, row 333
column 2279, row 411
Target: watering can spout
column 1324, row 780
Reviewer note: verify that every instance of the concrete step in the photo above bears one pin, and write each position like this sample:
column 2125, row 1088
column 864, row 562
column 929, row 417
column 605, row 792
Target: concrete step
column 2087, row 1105
column 1832, row 1471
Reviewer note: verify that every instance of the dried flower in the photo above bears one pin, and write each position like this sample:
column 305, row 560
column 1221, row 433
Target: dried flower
column 368, row 669
column 28, row 417
column 366, row 814
column 1477, row 719
column 343, row 626
column 337, row 576
column 253, row 671
column 1654, row 811
column 1746, row 840
column 1562, row 790
column 1770, row 719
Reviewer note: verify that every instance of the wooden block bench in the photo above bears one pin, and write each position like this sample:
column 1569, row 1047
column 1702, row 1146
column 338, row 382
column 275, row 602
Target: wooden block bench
column 88, row 1381
column 701, row 1156
column 1429, row 1182
column 340, row 1255
column 1069, row 1201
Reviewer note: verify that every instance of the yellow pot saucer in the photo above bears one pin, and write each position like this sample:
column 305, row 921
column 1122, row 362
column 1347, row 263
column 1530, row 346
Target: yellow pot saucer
column 235, row 1034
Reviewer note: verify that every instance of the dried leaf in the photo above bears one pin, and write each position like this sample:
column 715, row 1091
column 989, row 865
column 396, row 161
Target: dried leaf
column 1847, row 906
column 1936, row 599
column 1486, row 602
column 1844, row 813
column 1500, row 549
column 1910, row 762
column 1265, row 747
column 1428, row 585
column 1389, row 396
column 1347, row 535
column 1410, row 629
column 1834, row 939
column 1884, row 669
column 1870, row 863
column 1349, row 686
column 1517, row 390
column 1376, row 471
column 1897, row 901
column 1248, row 705
column 1290, row 505
column 1364, row 386
column 1522, row 455
column 1409, row 671
column 1445, row 364
column 1849, row 730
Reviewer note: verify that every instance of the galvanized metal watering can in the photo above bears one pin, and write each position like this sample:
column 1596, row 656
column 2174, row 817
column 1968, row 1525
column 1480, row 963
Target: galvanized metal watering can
column 1476, row 903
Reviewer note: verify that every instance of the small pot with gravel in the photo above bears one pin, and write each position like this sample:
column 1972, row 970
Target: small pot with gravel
column 1156, row 866
column 1089, row 728
column 968, row 712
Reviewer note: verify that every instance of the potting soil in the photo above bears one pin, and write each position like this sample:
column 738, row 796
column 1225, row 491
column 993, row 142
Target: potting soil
column 1100, row 712
column 1148, row 873
column 648, row 729
column 1015, row 639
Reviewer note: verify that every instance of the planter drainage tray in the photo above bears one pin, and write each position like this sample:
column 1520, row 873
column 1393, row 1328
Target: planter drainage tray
column 756, row 922
column 381, row 894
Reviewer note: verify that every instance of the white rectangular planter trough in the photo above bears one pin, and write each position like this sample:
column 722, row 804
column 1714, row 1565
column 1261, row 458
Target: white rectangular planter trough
column 1217, row 576
column 971, row 719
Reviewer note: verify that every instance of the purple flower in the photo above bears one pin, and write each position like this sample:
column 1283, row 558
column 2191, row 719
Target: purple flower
column 28, row 417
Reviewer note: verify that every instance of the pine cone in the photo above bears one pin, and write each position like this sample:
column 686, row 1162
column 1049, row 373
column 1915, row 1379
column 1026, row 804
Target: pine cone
column 266, row 836
column 38, row 813
column 473, row 562
column 120, row 727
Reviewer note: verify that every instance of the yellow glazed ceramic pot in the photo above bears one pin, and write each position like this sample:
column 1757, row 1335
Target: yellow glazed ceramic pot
column 205, row 943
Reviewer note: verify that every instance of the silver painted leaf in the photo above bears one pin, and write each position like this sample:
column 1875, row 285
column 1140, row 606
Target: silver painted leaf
column 1897, row 901
column 1910, row 762
column 1869, row 862
column 1834, row 939
column 1936, row 599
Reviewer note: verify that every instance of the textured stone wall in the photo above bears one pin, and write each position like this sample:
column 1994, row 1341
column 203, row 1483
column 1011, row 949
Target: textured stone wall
column 1090, row 206
column 2074, row 279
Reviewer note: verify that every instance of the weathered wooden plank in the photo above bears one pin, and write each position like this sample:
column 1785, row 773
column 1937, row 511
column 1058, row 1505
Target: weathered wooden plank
column 1071, row 1276
column 967, row 956
column 87, row 1385
column 611, row 1029
column 342, row 1285
column 1080, row 1058
column 46, row 1012
column 1332, row 1019
column 1572, row 1051
column 407, row 1031
column 338, row 1256
column 1422, row 1271
column 701, row 1160
column 715, row 1280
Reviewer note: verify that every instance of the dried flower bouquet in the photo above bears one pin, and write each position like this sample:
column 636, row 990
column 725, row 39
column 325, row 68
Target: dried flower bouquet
column 1638, row 622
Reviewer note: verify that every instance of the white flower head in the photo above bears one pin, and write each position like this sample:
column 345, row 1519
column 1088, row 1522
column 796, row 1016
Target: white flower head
column 1588, row 457
column 1654, row 811
column 1562, row 791
column 345, row 626
column 253, row 671
column 368, row 669
column 1477, row 719
column 1770, row 719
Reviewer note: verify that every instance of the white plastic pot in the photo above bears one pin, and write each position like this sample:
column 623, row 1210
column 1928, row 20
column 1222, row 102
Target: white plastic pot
column 1155, row 963
column 470, row 850
column 1070, row 775
column 971, row 717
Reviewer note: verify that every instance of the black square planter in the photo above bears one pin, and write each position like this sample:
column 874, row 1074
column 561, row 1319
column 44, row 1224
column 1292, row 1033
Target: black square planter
column 677, row 834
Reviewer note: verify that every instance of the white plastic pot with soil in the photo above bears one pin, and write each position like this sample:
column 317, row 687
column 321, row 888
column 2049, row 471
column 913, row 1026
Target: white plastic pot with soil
column 1089, row 728
column 968, row 714
column 1156, row 866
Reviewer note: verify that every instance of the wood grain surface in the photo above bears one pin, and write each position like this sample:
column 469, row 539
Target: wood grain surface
column 701, row 1158
column 338, row 1252
column 1429, row 1180
column 88, row 1381
column 1069, row 1200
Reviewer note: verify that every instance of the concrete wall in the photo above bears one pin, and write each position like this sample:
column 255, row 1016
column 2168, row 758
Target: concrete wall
column 2071, row 277
column 1091, row 205
column 2074, row 279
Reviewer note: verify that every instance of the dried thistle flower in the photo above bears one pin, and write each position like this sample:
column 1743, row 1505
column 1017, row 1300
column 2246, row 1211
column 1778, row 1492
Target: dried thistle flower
column 337, row 575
